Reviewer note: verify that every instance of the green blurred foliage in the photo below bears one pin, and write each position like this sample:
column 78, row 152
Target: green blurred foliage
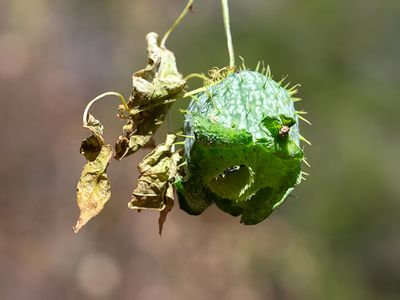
column 336, row 238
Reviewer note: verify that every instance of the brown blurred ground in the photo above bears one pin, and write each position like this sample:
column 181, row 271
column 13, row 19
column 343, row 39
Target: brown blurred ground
column 337, row 238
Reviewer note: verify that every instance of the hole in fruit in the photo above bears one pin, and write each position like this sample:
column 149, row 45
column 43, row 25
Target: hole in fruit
column 229, row 170
column 232, row 182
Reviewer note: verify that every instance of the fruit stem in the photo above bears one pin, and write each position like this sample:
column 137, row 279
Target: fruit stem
column 225, row 14
column 176, row 23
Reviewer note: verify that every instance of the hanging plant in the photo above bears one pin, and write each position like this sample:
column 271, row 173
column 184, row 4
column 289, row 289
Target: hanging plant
column 241, row 147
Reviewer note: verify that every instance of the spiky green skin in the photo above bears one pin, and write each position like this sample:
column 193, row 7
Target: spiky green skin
column 238, row 158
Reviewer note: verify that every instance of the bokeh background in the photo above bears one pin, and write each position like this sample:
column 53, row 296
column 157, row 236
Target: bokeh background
column 336, row 238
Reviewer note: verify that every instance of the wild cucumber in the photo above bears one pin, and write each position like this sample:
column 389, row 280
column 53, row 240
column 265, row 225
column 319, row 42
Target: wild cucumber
column 242, row 148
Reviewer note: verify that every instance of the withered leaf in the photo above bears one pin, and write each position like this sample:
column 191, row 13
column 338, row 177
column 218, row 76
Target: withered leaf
column 154, row 189
column 155, row 88
column 93, row 189
column 154, row 175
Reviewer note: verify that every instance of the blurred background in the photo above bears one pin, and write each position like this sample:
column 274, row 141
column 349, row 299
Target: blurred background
column 336, row 238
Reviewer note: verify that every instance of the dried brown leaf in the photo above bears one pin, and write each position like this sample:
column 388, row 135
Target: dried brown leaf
column 154, row 189
column 93, row 189
column 155, row 88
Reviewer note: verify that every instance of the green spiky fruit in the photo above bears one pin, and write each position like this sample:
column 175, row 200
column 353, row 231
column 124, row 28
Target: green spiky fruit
column 243, row 149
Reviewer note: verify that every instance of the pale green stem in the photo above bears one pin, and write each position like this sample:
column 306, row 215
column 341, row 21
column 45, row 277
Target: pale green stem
column 225, row 13
column 194, row 92
column 195, row 75
column 86, row 112
column 176, row 23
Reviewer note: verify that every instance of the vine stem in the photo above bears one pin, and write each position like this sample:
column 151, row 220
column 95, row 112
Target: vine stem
column 176, row 23
column 86, row 112
column 195, row 75
column 225, row 14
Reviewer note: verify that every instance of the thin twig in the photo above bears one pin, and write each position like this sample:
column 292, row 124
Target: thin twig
column 86, row 112
column 196, row 75
column 176, row 23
